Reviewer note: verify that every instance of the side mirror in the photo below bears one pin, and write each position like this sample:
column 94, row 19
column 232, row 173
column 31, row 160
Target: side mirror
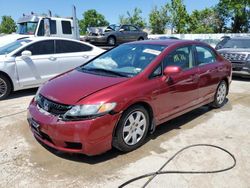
column 121, row 30
column 26, row 53
column 171, row 71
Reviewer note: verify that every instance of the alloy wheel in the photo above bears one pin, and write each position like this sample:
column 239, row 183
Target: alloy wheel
column 221, row 93
column 134, row 128
column 3, row 87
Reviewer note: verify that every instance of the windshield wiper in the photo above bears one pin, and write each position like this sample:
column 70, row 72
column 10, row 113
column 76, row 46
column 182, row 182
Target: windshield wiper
column 105, row 71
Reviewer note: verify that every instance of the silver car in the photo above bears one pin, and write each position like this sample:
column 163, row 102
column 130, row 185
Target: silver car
column 114, row 34
column 29, row 62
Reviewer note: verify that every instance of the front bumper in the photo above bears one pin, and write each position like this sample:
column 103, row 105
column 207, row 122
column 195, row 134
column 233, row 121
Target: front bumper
column 241, row 69
column 90, row 137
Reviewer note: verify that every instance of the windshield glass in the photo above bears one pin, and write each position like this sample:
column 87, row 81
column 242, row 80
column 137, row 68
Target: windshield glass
column 113, row 27
column 27, row 28
column 127, row 60
column 237, row 43
column 13, row 46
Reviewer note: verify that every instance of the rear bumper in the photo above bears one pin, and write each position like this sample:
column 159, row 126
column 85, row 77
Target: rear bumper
column 90, row 137
column 96, row 39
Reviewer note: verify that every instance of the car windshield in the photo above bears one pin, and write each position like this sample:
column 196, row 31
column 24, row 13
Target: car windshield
column 237, row 43
column 126, row 60
column 113, row 27
column 27, row 28
column 13, row 46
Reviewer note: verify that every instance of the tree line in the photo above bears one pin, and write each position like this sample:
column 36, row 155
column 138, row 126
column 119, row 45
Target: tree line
column 228, row 16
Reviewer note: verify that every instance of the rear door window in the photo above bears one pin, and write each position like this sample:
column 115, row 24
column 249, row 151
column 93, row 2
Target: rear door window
column 64, row 46
column 66, row 27
column 204, row 55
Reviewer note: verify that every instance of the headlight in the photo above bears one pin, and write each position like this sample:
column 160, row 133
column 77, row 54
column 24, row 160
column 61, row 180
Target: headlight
column 81, row 111
column 36, row 98
column 248, row 58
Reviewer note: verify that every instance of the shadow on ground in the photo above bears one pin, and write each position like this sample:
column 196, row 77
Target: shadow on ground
column 22, row 93
column 165, row 128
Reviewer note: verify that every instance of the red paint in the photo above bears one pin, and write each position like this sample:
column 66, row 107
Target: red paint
column 168, row 99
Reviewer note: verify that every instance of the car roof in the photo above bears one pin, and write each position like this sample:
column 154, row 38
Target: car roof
column 240, row 37
column 168, row 42
column 32, row 38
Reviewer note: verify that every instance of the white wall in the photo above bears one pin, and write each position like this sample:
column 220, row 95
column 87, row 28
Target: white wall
column 200, row 36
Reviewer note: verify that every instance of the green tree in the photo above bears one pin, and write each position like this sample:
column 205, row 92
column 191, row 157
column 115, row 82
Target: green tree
column 237, row 12
column 7, row 25
column 203, row 21
column 178, row 16
column 91, row 18
column 133, row 18
column 158, row 20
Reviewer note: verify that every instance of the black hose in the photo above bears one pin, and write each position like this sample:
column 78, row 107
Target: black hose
column 9, row 115
column 154, row 174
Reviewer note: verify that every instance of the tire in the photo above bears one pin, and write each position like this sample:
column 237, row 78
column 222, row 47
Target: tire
column 111, row 41
column 132, row 129
column 220, row 95
column 5, row 87
column 141, row 38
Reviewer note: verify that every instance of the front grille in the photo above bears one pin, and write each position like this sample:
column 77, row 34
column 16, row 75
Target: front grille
column 51, row 106
column 234, row 56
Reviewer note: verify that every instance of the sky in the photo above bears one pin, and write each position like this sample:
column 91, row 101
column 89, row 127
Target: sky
column 111, row 9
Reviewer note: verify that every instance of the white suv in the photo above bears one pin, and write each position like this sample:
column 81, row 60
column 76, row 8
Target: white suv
column 29, row 62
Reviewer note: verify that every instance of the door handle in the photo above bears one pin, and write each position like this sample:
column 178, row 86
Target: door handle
column 52, row 58
column 85, row 56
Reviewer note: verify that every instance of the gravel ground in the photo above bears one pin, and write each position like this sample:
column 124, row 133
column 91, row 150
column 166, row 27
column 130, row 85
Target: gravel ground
column 25, row 163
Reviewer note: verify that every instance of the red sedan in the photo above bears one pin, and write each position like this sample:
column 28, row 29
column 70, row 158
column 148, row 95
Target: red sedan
column 117, row 98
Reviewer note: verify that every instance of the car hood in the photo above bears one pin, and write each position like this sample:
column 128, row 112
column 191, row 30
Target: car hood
column 71, row 87
column 6, row 39
column 230, row 50
column 6, row 58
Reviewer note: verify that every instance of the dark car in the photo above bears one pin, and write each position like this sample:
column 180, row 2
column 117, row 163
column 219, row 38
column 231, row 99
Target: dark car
column 115, row 34
column 116, row 99
column 237, row 51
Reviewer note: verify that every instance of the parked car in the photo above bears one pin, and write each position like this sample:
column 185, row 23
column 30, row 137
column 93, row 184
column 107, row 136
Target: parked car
column 164, row 38
column 114, row 34
column 222, row 42
column 237, row 51
column 117, row 98
column 211, row 42
column 29, row 62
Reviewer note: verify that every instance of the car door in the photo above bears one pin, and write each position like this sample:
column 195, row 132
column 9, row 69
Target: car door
column 71, row 54
column 180, row 92
column 134, row 33
column 124, row 34
column 40, row 66
column 209, row 72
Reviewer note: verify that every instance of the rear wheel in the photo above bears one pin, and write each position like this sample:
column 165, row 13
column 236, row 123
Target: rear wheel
column 220, row 95
column 5, row 87
column 141, row 38
column 111, row 41
column 132, row 129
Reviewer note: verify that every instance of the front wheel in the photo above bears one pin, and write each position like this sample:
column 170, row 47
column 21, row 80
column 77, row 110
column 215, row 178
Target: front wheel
column 111, row 41
column 132, row 129
column 220, row 95
column 5, row 87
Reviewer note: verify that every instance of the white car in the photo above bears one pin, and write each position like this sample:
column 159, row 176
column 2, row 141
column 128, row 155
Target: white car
column 29, row 62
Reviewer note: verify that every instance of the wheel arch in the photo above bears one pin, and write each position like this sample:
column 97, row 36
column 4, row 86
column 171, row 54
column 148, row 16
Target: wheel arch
column 149, row 109
column 9, row 78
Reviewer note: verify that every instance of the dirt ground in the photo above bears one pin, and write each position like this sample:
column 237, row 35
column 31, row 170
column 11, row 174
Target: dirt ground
column 26, row 163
